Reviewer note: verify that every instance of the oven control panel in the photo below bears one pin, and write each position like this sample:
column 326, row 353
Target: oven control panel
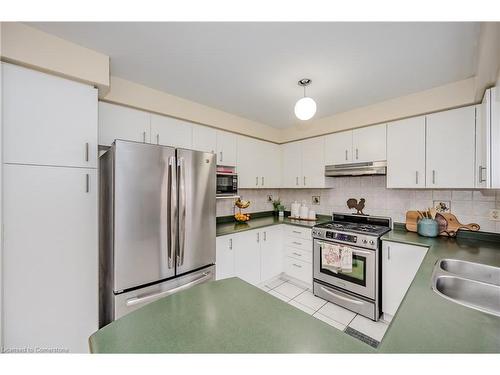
column 366, row 241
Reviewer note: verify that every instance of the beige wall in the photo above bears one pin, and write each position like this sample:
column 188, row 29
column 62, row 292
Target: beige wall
column 138, row 96
column 33, row 48
column 443, row 97
column 488, row 58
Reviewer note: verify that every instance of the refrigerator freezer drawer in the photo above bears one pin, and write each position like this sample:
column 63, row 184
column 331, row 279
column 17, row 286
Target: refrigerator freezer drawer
column 127, row 302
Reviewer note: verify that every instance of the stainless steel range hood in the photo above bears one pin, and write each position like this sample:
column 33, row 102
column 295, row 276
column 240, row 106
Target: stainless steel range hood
column 357, row 169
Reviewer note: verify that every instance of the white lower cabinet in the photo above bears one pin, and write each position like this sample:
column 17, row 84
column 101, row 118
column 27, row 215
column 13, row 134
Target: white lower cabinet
column 400, row 263
column 50, row 257
column 298, row 253
column 254, row 255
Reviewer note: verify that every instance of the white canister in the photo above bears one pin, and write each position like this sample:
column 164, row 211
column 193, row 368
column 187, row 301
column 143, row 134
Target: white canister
column 295, row 210
column 312, row 215
column 304, row 212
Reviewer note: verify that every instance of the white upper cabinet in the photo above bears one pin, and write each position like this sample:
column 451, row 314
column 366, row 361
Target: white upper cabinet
column 369, row 144
column 204, row 138
column 259, row 164
column 313, row 163
column 495, row 137
column 48, row 120
column 406, row 153
column 450, row 148
column 292, row 165
column 226, row 148
column 168, row 131
column 338, row 148
column 119, row 122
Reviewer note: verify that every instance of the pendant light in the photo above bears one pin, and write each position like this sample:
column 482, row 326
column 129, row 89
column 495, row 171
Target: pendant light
column 305, row 108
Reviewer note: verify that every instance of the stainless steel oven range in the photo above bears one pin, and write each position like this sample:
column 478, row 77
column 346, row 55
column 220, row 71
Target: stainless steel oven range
column 358, row 289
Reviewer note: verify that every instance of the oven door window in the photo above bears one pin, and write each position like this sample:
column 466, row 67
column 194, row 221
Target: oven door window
column 356, row 276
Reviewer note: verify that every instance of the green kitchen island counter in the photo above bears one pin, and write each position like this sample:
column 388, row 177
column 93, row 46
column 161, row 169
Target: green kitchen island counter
column 226, row 316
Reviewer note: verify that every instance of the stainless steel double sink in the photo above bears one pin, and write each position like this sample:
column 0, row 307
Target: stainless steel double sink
column 473, row 285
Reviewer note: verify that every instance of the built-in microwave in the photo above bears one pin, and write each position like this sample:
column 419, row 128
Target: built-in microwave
column 227, row 184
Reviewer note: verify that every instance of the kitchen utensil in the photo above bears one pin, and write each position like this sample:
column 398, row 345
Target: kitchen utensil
column 453, row 225
column 428, row 227
column 412, row 218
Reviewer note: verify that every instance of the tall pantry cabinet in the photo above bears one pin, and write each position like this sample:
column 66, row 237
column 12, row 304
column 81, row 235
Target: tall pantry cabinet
column 50, row 245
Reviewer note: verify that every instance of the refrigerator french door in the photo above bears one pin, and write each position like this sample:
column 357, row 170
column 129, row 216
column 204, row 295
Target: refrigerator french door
column 158, row 224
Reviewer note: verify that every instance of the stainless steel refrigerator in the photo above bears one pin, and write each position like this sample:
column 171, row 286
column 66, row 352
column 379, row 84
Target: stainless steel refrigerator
column 157, row 229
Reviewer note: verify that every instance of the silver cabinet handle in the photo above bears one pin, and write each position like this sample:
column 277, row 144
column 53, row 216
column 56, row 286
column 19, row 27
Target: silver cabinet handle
column 87, row 183
column 230, row 244
column 416, row 177
column 220, row 155
column 296, row 231
column 341, row 297
column 345, row 154
column 433, row 176
column 297, row 265
column 297, row 243
column 256, row 181
column 299, row 255
column 158, row 138
column 304, row 180
column 258, row 237
column 262, row 181
column 143, row 137
column 172, row 208
column 182, row 210
column 86, row 151
column 388, row 253
column 481, row 169
column 265, row 236
column 137, row 300
column 357, row 154
column 297, row 181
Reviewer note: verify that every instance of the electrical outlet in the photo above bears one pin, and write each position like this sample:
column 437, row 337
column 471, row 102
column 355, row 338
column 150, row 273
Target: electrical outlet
column 269, row 198
column 315, row 199
column 495, row 214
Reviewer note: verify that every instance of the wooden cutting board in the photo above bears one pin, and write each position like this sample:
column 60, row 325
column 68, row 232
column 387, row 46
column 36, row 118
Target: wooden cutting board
column 449, row 229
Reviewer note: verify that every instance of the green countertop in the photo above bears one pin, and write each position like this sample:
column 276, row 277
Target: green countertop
column 232, row 227
column 231, row 316
column 226, row 316
column 426, row 322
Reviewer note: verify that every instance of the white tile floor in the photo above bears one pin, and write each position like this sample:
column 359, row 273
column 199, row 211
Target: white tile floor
column 334, row 315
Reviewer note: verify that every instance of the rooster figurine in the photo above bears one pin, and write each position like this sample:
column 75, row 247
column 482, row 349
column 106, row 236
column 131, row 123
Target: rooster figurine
column 353, row 203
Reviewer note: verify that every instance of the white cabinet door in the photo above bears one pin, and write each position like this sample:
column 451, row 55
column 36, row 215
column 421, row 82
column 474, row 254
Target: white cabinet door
column 226, row 148
column 168, row 131
column 271, row 252
column 451, row 148
column 224, row 258
column 406, row 153
column 369, row 144
column 50, row 257
column 313, row 163
column 482, row 172
column 292, row 165
column 272, row 165
column 338, row 148
column 204, row 138
column 119, row 122
column 400, row 263
column 250, row 163
column 495, row 137
column 247, row 256
column 48, row 120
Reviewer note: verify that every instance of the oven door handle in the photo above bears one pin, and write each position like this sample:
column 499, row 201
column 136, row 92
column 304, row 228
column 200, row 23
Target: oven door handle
column 354, row 249
column 341, row 297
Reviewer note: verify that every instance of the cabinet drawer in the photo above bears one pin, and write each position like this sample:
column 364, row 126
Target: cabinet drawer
column 298, row 232
column 298, row 243
column 298, row 269
column 305, row 256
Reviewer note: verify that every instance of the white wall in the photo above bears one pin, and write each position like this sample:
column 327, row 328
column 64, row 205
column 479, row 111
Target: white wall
column 470, row 206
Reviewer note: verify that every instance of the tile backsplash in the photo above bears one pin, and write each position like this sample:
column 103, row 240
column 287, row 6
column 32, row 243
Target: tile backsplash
column 470, row 206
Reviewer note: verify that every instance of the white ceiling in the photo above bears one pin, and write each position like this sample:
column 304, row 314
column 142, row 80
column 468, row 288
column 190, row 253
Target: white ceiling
column 252, row 69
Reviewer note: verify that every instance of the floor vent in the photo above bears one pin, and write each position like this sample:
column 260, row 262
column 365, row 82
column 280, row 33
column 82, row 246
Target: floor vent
column 361, row 336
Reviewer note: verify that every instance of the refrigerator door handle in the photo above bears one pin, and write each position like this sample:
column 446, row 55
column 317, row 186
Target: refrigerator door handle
column 138, row 300
column 182, row 210
column 172, row 202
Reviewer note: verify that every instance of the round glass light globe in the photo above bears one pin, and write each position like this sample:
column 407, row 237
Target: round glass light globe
column 305, row 108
